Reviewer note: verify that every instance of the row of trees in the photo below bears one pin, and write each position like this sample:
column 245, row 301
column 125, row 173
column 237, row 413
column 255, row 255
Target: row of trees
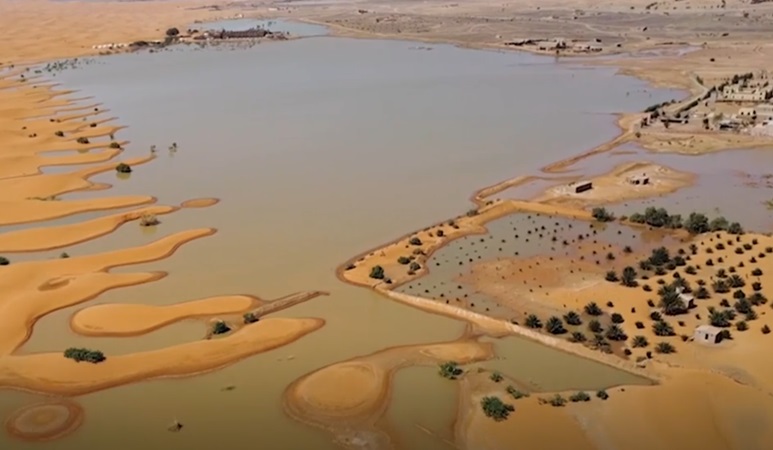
column 695, row 223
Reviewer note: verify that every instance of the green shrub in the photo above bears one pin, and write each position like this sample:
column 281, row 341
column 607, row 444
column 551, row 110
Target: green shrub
column 220, row 327
column 82, row 140
column 557, row 400
column 579, row 397
column 640, row 342
column 415, row 241
column 602, row 394
column 532, row 321
column 4, row 261
column 665, row 348
column 115, row 145
column 495, row 408
column 377, row 272
column 515, row 393
column 84, row 354
column 450, row 370
column 414, row 266
column 602, row 215
column 123, row 168
column 250, row 318
column 496, row 377
column 59, row 133
column 403, row 260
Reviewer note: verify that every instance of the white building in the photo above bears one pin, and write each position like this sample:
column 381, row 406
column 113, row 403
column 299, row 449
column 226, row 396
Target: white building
column 738, row 93
column 707, row 334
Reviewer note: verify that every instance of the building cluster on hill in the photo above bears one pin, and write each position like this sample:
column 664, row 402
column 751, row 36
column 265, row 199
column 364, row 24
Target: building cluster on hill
column 741, row 103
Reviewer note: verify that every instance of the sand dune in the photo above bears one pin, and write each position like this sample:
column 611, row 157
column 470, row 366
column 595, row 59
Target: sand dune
column 24, row 165
column 52, row 373
column 34, row 289
column 349, row 398
column 26, row 211
column 48, row 238
column 137, row 319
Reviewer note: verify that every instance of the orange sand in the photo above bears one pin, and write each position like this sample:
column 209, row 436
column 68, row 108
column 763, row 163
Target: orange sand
column 199, row 203
column 51, row 373
column 136, row 319
column 39, row 239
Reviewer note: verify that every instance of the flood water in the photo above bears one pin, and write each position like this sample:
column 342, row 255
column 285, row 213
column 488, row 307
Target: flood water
column 722, row 179
column 319, row 149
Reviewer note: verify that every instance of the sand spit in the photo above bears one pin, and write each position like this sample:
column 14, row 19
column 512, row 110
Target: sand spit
column 49, row 238
column 269, row 307
column 45, row 421
column 116, row 320
column 136, row 319
column 25, row 165
column 348, row 398
column 37, row 210
column 51, row 373
column 199, row 203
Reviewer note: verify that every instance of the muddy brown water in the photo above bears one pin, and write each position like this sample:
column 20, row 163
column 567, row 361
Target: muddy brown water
column 722, row 179
column 319, row 148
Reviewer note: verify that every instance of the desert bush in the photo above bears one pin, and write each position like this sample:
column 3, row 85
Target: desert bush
column 84, row 354
column 495, row 408
column 450, row 370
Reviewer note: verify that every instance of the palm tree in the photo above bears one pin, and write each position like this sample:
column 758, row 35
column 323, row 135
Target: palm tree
column 743, row 306
column 578, row 336
column 572, row 318
column 736, row 281
column 629, row 277
column 554, row 325
column 719, row 318
column 615, row 333
column 532, row 321
column 662, row 328
column 720, row 286
column 671, row 301
column 593, row 309
column 665, row 347
column 757, row 299
column 595, row 326
column 640, row 342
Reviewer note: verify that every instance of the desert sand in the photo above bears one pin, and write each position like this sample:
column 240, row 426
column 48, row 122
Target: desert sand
column 701, row 404
column 348, row 398
column 43, row 125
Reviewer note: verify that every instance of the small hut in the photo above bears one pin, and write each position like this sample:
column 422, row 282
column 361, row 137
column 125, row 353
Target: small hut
column 707, row 334
column 583, row 186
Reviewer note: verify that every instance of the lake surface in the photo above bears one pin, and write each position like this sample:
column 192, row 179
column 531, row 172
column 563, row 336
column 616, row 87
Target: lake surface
column 319, row 148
